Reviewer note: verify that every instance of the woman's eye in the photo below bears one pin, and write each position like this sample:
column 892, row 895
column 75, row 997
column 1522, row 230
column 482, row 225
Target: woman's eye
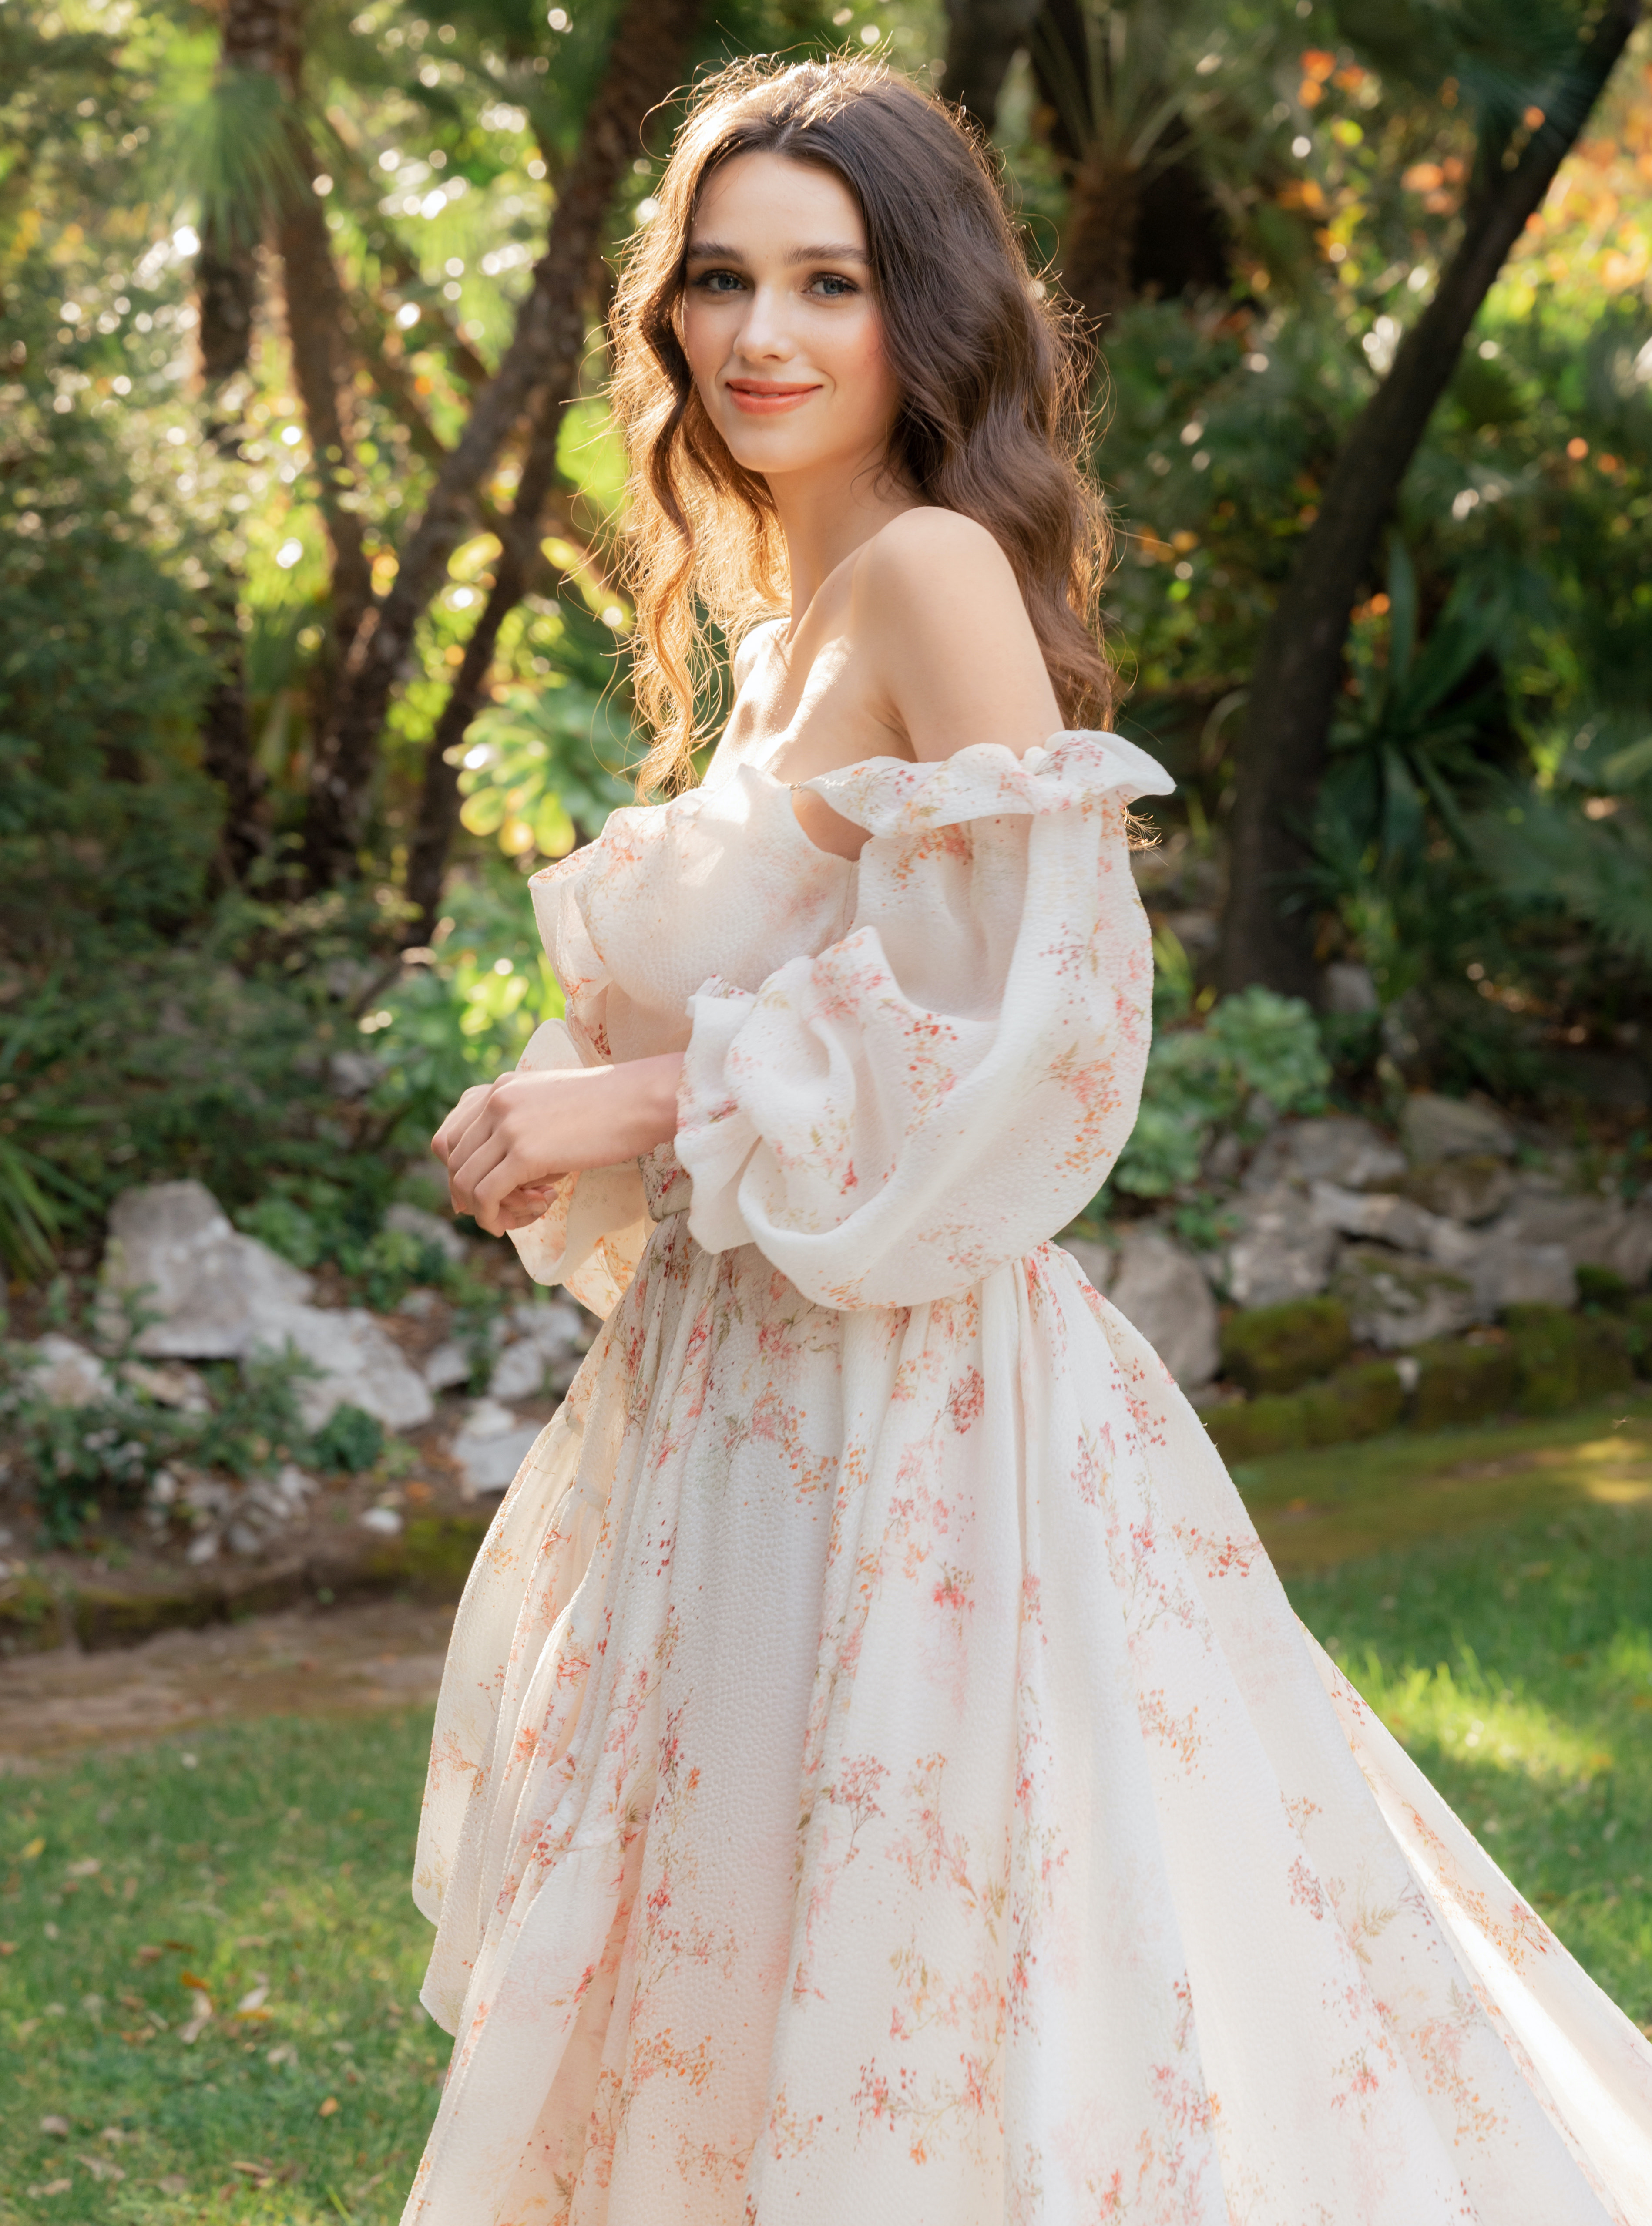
column 718, row 282
column 834, row 287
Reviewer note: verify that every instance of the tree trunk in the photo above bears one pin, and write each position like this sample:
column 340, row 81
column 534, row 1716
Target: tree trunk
column 1298, row 666
column 542, row 361
column 317, row 330
column 227, row 289
column 1098, row 242
column 982, row 39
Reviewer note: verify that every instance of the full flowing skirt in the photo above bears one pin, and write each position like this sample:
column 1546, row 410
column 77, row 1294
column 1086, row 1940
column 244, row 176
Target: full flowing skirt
column 879, row 1777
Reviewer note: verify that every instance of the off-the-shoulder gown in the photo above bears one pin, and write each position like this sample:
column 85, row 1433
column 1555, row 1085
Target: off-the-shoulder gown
column 878, row 1779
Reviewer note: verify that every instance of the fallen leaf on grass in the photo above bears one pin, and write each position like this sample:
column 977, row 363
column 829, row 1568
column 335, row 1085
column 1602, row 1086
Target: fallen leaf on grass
column 285, row 2054
column 8, row 1947
column 53, row 2124
column 115, row 2134
column 35, row 1847
column 149, row 1954
column 88, row 1867
column 52, row 2187
column 329, row 2107
column 250, row 2005
column 174, row 2183
column 100, row 2167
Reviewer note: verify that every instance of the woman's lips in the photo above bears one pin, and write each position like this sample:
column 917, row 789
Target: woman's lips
column 760, row 399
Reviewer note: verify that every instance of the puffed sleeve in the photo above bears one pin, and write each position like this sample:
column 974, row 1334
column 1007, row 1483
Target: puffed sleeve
column 591, row 1234
column 943, row 1088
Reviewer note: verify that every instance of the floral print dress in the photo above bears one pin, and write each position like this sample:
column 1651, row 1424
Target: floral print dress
column 878, row 1779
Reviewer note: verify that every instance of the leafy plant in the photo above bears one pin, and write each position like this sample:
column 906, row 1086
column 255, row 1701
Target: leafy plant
column 1256, row 1045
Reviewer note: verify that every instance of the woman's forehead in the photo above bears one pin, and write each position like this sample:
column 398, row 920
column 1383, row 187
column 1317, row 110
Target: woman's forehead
column 770, row 195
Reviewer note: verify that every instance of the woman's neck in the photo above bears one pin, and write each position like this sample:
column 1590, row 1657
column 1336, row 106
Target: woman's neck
column 825, row 517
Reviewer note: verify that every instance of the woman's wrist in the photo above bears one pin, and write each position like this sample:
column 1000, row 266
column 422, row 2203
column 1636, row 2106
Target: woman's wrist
column 646, row 1104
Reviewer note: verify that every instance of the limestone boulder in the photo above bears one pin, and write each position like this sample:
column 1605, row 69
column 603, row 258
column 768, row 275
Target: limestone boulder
column 1432, row 1129
column 1396, row 1303
column 1593, row 1231
column 1510, row 1273
column 1472, row 1188
column 541, row 1349
column 1161, row 1290
column 65, row 1374
column 1282, row 1252
column 1335, row 1148
column 173, row 1249
column 356, row 1365
column 491, row 1448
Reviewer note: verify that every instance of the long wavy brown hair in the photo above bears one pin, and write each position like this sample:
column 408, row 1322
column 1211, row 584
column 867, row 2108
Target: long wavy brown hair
column 992, row 418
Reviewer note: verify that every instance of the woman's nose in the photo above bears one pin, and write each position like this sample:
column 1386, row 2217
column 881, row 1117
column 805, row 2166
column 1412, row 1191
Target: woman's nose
column 763, row 333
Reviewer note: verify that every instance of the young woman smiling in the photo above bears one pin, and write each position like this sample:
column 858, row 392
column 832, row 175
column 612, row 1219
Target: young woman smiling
column 878, row 1775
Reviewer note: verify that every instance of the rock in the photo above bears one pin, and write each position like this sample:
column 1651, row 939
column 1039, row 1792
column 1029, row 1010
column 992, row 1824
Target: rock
column 169, row 1385
column 1394, row 1303
column 1099, row 1262
column 1351, row 988
column 542, row 1339
column 1161, row 1290
column 1434, row 1128
column 1336, row 1148
column 284, row 1498
column 385, row 1520
column 202, row 1548
column 1472, row 1188
column 65, row 1374
column 492, row 1447
column 1594, row 1232
column 448, row 1365
column 171, row 1248
column 1379, row 1214
column 1281, row 1253
column 1509, row 1272
column 429, row 1228
column 358, row 1364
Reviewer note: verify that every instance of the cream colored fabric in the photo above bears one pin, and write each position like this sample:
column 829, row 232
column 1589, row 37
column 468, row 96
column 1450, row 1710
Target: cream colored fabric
column 878, row 1776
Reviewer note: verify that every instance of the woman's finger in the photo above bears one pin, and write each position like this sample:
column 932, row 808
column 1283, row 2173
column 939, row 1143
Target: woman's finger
column 463, row 1114
column 466, row 1173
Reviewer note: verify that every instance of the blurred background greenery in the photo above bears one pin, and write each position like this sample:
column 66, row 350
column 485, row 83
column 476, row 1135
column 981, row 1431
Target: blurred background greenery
column 311, row 646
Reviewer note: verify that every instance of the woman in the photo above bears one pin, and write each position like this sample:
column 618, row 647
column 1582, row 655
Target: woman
column 878, row 1776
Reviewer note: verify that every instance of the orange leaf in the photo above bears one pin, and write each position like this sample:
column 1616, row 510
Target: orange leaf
column 329, row 2107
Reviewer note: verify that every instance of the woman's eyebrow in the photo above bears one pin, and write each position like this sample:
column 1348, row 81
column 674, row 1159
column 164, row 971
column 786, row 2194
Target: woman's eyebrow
column 707, row 250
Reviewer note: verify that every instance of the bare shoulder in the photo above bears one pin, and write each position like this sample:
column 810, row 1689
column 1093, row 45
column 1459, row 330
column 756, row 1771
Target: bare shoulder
column 928, row 552
column 939, row 613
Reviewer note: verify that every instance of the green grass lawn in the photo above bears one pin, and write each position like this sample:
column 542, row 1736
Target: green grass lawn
column 269, row 1861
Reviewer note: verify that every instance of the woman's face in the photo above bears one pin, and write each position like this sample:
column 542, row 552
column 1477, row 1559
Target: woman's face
column 780, row 325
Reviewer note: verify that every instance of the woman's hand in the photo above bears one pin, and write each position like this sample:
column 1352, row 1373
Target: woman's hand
column 506, row 1143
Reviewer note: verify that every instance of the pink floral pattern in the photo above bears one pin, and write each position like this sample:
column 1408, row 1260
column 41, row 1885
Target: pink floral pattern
column 878, row 1774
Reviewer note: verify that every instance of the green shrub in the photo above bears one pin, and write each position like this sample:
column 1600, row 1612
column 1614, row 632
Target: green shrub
column 1563, row 1358
column 1602, row 1288
column 349, row 1439
column 1277, row 1348
column 1459, row 1382
column 1255, row 1044
column 1637, row 1326
column 1355, row 1402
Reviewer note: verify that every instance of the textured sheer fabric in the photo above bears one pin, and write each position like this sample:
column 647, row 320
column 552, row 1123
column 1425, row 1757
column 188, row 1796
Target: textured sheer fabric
column 878, row 1775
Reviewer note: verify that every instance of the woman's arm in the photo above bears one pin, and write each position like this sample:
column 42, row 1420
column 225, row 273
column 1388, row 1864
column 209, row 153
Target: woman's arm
column 506, row 1141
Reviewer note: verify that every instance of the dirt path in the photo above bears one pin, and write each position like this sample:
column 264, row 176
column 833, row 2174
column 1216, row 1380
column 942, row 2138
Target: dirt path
column 309, row 1661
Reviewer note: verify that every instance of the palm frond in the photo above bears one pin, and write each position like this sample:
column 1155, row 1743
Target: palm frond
column 236, row 154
